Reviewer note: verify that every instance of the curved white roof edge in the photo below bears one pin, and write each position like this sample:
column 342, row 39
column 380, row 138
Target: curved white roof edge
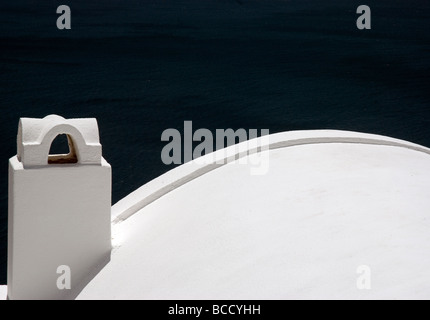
column 176, row 177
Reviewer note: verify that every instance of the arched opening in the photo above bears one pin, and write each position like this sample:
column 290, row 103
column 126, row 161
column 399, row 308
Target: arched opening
column 62, row 150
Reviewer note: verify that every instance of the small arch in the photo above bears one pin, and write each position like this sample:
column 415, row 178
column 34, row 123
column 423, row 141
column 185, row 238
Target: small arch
column 35, row 137
column 70, row 157
column 74, row 140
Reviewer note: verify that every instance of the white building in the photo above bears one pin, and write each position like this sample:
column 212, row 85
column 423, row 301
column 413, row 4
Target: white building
column 338, row 215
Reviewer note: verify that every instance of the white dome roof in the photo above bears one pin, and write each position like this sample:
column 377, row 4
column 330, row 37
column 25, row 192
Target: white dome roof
column 300, row 231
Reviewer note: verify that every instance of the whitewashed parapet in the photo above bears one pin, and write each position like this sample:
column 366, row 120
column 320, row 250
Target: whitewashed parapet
column 59, row 233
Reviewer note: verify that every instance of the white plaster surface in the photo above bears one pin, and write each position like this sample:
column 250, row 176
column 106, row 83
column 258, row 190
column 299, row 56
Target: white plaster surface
column 3, row 292
column 298, row 232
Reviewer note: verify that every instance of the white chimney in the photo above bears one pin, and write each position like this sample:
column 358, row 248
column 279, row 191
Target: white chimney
column 59, row 210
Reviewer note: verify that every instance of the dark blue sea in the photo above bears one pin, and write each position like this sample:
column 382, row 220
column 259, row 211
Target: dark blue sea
column 141, row 67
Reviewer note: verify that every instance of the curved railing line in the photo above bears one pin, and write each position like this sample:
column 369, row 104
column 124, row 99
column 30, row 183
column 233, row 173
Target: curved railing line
column 187, row 172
